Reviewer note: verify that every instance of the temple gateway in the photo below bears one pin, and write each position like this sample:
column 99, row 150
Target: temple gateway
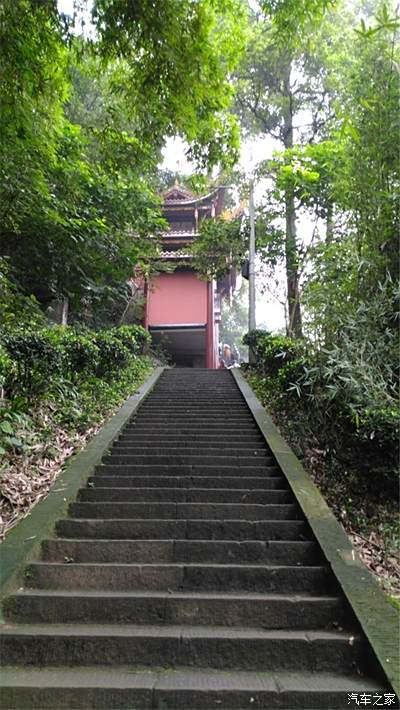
column 183, row 311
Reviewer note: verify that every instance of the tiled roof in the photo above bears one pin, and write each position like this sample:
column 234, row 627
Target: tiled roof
column 175, row 255
column 179, row 233
column 178, row 194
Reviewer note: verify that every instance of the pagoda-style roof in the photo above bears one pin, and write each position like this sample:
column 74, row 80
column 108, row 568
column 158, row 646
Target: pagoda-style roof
column 178, row 194
column 183, row 211
column 179, row 197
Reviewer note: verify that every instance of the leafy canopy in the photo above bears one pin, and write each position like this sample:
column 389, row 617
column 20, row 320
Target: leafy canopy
column 175, row 60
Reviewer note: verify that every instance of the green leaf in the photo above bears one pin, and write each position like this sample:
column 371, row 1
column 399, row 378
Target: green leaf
column 6, row 427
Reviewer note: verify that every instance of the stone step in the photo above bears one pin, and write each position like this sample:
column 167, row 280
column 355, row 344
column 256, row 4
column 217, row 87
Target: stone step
column 180, row 428
column 180, row 374
column 184, row 495
column 184, row 458
column 198, row 393
column 292, row 530
column 155, row 551
column 195, row 438
column 182, row 431
column 218, row 423
column 215, row 425
column 171, row 646
column 226, row 483
column 199, row 399
column 206, row 386
column 125, row 688
column 197, row 470
column 193, row 376
column 180, row 388
column 168, row 450
column 194, row 406
column 193, row 411
column 200, row 609
column 136, row 443
column 185, row 391
column 188, row 393
column 276, row 579
column 169, row 511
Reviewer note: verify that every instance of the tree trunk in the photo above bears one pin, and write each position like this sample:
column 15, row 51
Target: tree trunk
column 329, row 222
column 64, row 311
column 292, row 271
column 294, row 327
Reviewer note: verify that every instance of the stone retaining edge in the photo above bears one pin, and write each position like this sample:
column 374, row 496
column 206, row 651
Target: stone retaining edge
column 378, row 619
column 23, row 541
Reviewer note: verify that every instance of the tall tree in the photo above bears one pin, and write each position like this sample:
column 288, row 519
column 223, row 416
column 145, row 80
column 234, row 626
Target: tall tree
column 33, row 62
column 360, row 172
column 275, row 84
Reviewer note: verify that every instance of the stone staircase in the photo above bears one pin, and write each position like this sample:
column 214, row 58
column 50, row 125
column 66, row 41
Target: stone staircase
column 185, row 576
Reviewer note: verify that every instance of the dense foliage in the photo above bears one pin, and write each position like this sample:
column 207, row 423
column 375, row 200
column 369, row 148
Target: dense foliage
column 328, row 97
column 176, row 57
column 57, row 383
column 350, row 392
column 341, row 417
column 82, row 125
column 56, row 364
column 221, row 244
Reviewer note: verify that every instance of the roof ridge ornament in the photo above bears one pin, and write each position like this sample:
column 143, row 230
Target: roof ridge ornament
column 178, row 193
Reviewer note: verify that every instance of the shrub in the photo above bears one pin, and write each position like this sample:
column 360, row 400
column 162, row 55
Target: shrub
column 253, row 338
column 351, row 385
column 35, row 360
column 277, row 357
column 360, row 369
column 5, row 366
column 32, row 362
column 134, row 337
column 16, row 309
column 80, row 352
column 113, row 353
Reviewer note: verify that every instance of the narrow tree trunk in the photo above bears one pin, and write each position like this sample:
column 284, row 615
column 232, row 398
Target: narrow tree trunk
column 329, row 222
column 292, row 270
column 64, row 311
column 294, row 328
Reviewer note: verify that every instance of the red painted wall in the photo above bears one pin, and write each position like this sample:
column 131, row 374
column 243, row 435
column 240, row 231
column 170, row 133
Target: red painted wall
column 175, row 299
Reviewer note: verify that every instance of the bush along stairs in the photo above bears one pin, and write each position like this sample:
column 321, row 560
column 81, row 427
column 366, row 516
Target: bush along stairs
column 185, row 576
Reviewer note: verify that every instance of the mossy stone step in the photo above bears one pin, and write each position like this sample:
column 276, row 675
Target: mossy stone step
column 127, row 688
column 292, row 530
column 232, row 483
column 213, row 647
column 277, row 579
column 264, row 610
column 191, row 551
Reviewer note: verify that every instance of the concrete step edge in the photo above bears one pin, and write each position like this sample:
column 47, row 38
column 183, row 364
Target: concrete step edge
column 172, row 631
column 235, row 595
column 203, row 679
